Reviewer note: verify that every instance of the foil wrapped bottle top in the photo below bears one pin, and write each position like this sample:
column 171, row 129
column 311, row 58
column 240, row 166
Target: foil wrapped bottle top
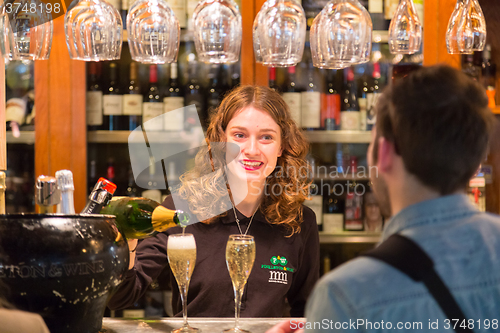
column 47, row 192
column 65, row 180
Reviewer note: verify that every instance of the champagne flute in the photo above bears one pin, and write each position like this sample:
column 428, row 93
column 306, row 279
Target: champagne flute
column 181, row 251
column 240, row 256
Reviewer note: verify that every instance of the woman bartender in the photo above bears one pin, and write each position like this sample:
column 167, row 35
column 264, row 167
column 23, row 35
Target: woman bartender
column 272, row 162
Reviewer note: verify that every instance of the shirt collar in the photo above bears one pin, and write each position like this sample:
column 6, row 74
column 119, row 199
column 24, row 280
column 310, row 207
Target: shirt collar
column 435, row 211
column 229, row 218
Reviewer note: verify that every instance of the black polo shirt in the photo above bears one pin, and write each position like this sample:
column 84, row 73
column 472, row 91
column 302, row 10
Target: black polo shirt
column 284, row 268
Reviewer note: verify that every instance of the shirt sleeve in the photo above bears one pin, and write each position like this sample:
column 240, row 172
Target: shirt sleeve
column 151, row 259
column 308, row 272
column 329, row 310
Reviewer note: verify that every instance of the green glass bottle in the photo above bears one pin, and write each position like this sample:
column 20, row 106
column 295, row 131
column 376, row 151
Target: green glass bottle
column 139, row 218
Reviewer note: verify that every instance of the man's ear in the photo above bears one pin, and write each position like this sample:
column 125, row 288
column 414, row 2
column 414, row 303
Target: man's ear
column 386, row 154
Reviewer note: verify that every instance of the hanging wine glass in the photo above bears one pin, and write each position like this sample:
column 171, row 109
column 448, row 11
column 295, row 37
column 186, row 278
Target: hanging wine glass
column 459, row 35
column 217, row 31
column 153, row 33
column 31, row 28
column 256, row 38
column 405, row 31
column 341, row 35
column 478, row 26
column 93, row 31
column 280, row 30
column 6, row 38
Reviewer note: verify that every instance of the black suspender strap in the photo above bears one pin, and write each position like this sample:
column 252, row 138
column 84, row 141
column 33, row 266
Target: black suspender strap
column 405, row 255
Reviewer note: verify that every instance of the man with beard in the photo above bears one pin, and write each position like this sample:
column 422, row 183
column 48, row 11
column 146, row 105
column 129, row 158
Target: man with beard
column 431, row 135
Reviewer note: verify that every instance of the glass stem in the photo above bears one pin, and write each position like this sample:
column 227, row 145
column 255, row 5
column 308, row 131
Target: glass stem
column 237, row 306
column 184, row 305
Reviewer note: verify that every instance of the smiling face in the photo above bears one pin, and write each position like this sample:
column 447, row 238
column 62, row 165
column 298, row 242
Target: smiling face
column 259, row 139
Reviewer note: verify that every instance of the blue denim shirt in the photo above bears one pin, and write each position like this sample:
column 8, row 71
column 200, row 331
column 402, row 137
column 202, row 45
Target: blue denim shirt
column 367, row 295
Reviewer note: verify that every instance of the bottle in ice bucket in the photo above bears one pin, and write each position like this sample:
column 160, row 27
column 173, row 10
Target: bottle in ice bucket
column 139, row 218
column 100, row 196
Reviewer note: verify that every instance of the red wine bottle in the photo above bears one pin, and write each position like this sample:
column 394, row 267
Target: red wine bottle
column 93, row 100
column 132, row 100
column 349, row 112
column 153, row 104
column 112, row 102
column 292, row 96
column 330, row 102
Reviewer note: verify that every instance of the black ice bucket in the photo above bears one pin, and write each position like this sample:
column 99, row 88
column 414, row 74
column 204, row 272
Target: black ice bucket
column 63, row 267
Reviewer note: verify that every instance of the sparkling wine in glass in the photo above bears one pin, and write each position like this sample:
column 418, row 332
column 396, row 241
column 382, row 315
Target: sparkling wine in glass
column 181, row 251
column 240, row 256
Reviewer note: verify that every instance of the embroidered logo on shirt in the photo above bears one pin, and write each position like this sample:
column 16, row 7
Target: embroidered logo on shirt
column 278, row 277
column 279, row 263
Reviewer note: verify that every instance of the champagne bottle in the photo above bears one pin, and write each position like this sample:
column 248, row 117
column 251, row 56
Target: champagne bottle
column 93, row 100
column 65, row 183
column 100, row 196
column 139, row 218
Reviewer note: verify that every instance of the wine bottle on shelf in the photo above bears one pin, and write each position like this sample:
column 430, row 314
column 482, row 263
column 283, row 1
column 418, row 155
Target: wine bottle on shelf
column 110, row 170
column 316, row 203
column 139, row 218
column 349, row 112
column 65, row 183
column 112, row 100
column 93, row 100
column 272, row 79
column 365, row 88
column 152, row 106
column 353, row 208
column 194, row 96
column 216, row 88
column 372, row 96
column 100, row 196
column 333, row 211
column 152, row 192
column 2, row 192
column 330, row 102
column 132, row 189
column 173, row 100
column 311, row 97
column 132, row 100
column 92, row 175
column 292, row 96
column 489, row 71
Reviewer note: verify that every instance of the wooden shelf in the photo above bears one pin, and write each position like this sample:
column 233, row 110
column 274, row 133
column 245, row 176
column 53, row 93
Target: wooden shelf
column 339, row 136
column 349, row 237
column 26, row 137
column 122, row 137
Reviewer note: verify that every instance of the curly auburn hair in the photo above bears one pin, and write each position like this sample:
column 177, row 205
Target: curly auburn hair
column 210, row 193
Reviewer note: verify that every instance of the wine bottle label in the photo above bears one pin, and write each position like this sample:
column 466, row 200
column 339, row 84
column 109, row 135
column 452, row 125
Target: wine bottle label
column 112, row 105
column 93, row 102
column 376, row 6
column 311, row 109
column 15, row 109
column 132, row 105
column 151, row 111
column 350, row 120
column 179, row 9
column 293, row 100
column 316, row 204
column 173, row 120
column 333, row 223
